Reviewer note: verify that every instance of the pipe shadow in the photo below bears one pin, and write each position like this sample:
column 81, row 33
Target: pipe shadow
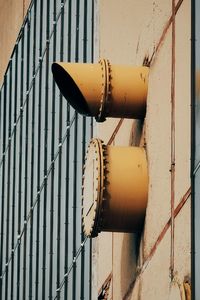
column 129, row 259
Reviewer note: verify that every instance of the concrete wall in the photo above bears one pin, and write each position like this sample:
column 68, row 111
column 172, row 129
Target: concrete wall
column 12, row 13
column 131, row 32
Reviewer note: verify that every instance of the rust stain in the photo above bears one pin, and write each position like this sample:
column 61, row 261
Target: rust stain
column 173, row 70
column 174, row 212
column 146, row 61
column 169, row 22
column 115, row 132
column 129, row 291
column 166, row 227
column 104, row 290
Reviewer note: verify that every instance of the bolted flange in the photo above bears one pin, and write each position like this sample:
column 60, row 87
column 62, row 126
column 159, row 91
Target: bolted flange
column 115, row 188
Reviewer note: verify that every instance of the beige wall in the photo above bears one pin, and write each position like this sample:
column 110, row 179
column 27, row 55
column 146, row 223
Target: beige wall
column 128, row 32
column 12, row 13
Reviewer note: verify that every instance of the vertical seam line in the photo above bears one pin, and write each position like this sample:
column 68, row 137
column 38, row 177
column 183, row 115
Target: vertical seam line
column 172, row 141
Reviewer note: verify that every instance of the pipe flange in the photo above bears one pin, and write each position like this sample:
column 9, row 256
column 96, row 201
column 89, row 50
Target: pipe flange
column 93, row 188
column 102, row 204
column 106, row 90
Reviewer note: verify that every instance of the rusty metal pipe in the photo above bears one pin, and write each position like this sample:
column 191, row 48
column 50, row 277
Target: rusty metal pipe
column 115, row 188
column 103, row 90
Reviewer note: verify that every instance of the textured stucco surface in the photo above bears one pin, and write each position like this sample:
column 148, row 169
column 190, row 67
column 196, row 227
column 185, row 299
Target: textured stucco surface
column 158, row 135
column 129, row 32
column 11, row 18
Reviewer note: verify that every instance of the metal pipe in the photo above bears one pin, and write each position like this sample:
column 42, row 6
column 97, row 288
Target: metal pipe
column 117, row 90
column 113, row 202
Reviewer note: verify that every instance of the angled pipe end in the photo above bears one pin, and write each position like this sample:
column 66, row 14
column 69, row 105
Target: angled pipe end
column 69, row 88
column 103, row 90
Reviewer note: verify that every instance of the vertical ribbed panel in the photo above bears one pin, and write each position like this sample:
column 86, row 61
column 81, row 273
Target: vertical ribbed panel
column 43, row 252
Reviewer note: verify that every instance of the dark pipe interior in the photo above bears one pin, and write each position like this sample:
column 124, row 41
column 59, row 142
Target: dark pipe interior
column 69, row 89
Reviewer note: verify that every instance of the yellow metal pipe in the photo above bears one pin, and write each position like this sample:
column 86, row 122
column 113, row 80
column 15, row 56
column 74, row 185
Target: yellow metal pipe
column 127, row 189
column 103, row 90
column 115, row 188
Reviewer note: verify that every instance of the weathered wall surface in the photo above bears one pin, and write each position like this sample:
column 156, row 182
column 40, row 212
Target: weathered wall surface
column 11, row 18
column 131, row 32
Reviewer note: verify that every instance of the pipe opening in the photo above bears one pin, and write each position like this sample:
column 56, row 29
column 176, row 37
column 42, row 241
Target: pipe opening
column 69, row 89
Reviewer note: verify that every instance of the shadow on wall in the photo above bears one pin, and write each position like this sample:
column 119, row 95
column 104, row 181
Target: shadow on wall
column 129, row 259
column 131, row 241
column 137, row 133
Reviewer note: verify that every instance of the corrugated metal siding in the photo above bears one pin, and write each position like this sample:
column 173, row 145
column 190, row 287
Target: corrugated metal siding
column 43, row 252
